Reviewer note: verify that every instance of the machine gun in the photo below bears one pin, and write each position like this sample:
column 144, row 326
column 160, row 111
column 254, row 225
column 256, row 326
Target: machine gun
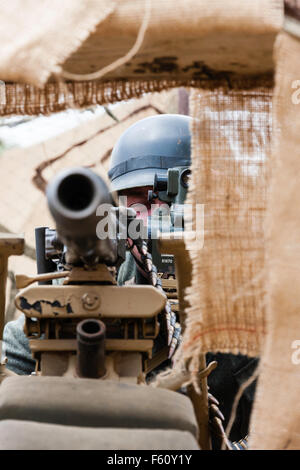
column 88, row 326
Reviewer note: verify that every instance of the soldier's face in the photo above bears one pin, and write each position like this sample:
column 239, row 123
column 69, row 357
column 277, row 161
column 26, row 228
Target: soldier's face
column 139, row 195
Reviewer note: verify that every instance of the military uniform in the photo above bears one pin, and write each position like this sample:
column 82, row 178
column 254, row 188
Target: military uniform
column 16, row 348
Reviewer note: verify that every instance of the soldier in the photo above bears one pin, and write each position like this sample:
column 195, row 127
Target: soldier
column 147, row 148
column 151, row 146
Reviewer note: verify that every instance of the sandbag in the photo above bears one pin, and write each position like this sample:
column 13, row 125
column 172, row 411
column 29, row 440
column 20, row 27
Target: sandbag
column 94, row 403
column 27, row 435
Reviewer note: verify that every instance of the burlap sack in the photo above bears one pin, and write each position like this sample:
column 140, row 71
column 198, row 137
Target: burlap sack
column 276, row 416
column 199, row 43
column 230, row 144
column 36, row 37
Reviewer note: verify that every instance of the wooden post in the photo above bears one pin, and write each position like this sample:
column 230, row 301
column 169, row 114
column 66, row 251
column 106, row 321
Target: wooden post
column 9, row 245
column 183, row 267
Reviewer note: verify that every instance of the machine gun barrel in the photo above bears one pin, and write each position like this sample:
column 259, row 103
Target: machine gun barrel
column 73, row 198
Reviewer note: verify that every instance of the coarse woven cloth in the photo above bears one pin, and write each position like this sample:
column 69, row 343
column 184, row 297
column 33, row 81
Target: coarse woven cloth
column 230, row 145
column 198, row 43
column 275, row 421
column 36, row 37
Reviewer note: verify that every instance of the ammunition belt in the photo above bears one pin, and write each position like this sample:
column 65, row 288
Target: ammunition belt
column 172, row 326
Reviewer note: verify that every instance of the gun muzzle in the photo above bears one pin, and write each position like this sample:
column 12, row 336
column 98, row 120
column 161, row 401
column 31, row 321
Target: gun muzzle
column 91, row 348
column 74, row 196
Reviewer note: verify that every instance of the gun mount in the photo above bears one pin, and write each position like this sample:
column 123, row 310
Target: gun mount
column 88, row 293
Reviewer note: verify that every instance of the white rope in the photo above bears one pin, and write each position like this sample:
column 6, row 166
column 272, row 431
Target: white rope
column 122, row 60
column 238, row 396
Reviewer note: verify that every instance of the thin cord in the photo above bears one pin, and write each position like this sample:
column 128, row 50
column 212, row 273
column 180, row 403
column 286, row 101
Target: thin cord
column 237, row 399
column 121, row 60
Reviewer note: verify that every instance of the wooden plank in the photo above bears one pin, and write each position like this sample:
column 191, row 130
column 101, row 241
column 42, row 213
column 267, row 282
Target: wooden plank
column 9, row 245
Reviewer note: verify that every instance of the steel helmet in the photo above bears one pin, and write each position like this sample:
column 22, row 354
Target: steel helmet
column 150, row 146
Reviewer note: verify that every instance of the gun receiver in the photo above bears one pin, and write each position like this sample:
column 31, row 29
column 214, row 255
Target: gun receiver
column 88, row 326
